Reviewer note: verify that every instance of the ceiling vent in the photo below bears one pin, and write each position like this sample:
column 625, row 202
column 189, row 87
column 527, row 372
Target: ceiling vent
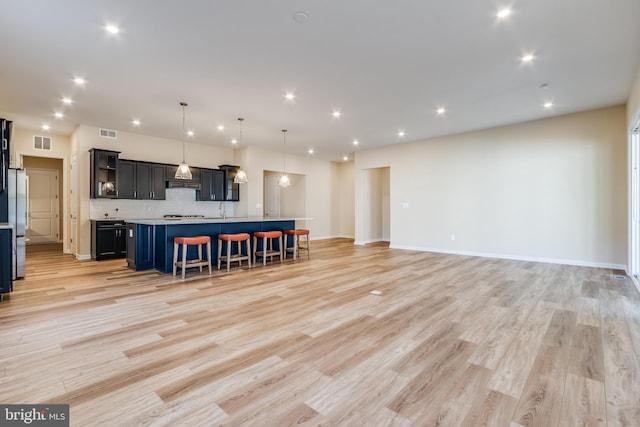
column 41, row 142
column 108, row 133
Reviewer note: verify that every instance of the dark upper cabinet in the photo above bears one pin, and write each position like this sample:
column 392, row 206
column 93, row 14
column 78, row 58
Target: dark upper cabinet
column 126, row 179
column 212, row 185
column 5, row 140
column 141, row 180
column 104, row 173
column 232, row 190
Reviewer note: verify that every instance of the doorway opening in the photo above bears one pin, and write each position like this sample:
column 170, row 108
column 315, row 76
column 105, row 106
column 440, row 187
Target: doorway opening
column 377, row 205
column 287, row 202
column 44, row 201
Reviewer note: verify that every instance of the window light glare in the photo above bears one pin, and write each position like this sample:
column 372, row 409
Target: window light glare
column 112, row 29
column 67, row 101
column 503, row 13
column 527, row 58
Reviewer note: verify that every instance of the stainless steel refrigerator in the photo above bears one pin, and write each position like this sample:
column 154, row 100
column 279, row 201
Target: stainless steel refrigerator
column 18, row 215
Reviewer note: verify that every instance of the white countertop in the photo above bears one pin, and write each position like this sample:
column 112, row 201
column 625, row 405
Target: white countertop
column 181, row 221
column 5, row 225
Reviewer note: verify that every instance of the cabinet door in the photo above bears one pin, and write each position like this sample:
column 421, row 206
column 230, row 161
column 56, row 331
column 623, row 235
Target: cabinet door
column 121, row 242
column 105, row 243
column 6, row 261
column 126, row 179
column 217, row 184
column 158, row 185
column 206, row 190
column 143, row 181
column 103, row 173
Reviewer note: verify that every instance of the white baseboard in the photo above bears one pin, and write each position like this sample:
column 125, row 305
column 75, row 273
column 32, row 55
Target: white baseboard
column 366, row 242
column 331, row 237
column 515, row 257
column 83, row 257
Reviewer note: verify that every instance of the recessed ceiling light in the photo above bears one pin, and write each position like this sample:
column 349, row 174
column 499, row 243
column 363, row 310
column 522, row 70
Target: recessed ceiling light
column 190, row 133
column 441, row 110
column 548, row 104
column 58, row 115
column 356, row 142
column 336, row 114
column 310, row 151
column 345, row 158
column 301, row 17
column 401, row 133
column 79, row 81
column 527, row 58
column 112, row 29
column 289, row 96
column 503, row 13
column 67, row 101
column 135, row 122
column 220, row 128
column 45, row 127
column 234, row 141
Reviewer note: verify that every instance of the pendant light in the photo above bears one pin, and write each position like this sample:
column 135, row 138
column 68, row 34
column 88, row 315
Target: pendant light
column 284, row 178
column 241, row 175
column 183, row 171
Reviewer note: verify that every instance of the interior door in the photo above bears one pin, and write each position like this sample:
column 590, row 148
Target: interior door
column 74, row 204
column 43, row 206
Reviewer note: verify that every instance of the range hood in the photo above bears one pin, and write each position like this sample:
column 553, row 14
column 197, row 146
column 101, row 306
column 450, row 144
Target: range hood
column 183, row 183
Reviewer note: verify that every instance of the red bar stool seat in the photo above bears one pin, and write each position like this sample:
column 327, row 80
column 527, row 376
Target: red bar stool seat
column 267, row 245
column 185, row 242
column 238, row 257
column 296, row 242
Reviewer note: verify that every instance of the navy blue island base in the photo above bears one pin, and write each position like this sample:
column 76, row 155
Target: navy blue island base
column 150, row 242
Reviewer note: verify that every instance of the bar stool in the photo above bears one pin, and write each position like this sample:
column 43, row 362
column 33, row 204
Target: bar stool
column 229, row 258
column 267, row 245
column 185, row 242
column 296, row 242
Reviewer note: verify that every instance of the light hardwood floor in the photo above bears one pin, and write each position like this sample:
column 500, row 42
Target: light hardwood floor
column 452, row 341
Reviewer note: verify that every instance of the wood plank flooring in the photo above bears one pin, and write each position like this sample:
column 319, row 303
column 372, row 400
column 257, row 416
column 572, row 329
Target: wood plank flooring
column 452, row 341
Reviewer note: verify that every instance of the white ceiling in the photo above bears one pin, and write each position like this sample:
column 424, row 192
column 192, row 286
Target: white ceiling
column 387, row 65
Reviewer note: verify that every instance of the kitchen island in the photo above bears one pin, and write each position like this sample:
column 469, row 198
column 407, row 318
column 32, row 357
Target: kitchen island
column 150, row 241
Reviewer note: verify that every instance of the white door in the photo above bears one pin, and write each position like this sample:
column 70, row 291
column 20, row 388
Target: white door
column 271, row 196
column 43, row 205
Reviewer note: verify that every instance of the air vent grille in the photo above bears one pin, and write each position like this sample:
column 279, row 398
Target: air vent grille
column 108, row 133
column 41, row 142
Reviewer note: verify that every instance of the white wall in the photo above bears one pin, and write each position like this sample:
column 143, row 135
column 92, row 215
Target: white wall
column 633, row 102
column 552, row 189
column 343, row 210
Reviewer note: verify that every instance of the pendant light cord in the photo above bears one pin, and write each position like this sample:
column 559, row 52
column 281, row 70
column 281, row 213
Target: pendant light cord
column 184, row 104
column 284, row 144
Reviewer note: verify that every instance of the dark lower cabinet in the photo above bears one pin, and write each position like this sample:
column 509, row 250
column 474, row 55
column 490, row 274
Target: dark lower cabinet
column 108, row 240
column 6, row 261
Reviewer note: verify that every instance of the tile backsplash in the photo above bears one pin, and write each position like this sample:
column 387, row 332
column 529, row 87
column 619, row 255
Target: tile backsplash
column 179, row 201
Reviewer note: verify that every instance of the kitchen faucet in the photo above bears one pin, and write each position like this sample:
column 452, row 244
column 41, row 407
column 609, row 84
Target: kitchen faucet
column 222, row 210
